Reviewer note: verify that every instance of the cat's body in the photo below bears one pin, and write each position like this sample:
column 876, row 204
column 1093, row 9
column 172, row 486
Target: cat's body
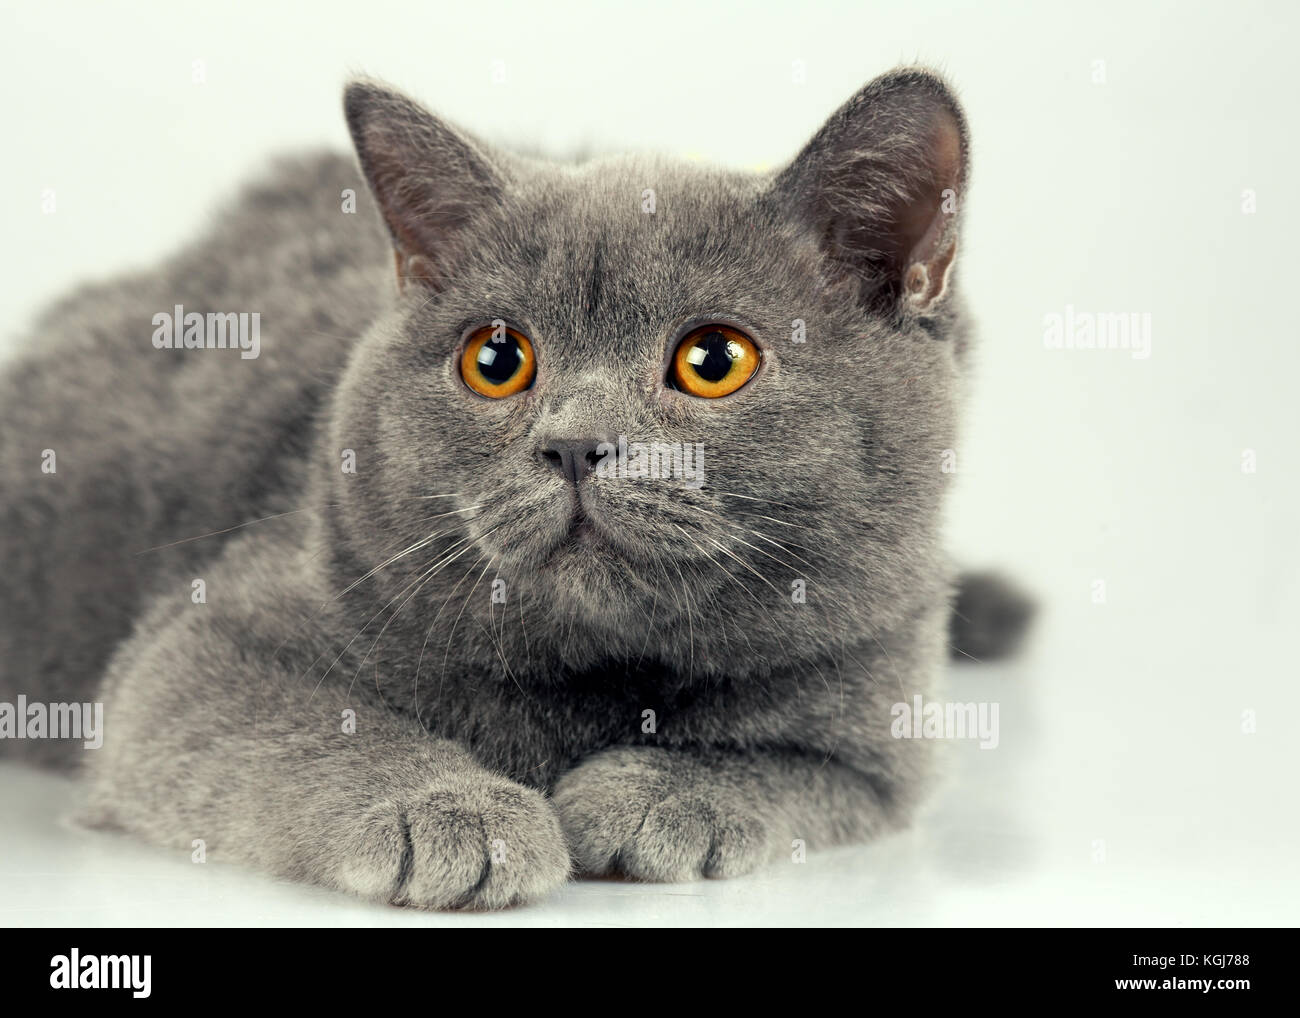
column 380, row 690
column 155, row 446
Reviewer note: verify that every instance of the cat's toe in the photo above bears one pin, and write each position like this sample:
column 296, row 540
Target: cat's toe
column 483, row 844
column 688, row 837
column 374, row 860
column 597, row 822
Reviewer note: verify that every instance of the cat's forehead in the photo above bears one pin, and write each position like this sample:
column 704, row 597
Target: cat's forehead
column 623, row 245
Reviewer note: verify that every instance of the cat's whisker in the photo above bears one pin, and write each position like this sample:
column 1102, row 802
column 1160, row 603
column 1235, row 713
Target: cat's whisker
column 730, row 553
column 650, row 628
column 428, row 575
column 419, row 663
column 834, row 601
column 756, row 498
column 755, row 598
column 831, row 601
column 404, row 552
column 326, row 603
column 340, row 654
column 238, row 526
column 434, row 621
column 523, row 630
column 726, row 551
column 467, row 541
column 770, row 519
column 685, row 592
column 813, row 571
column 497, row 643
column 711, row 559
column 463, row 605
column 267, row 519
column 432, row 571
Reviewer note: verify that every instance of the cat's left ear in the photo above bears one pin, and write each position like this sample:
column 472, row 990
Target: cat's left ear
column 881, row 186
column 430, row 180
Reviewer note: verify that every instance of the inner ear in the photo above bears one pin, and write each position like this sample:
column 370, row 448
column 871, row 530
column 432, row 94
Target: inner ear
column 881, row 184
column 930, row 215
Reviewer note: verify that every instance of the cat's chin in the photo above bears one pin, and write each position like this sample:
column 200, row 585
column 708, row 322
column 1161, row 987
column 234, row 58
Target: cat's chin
column 588, row 576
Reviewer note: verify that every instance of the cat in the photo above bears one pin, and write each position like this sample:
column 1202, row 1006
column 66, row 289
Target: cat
column 368, row 609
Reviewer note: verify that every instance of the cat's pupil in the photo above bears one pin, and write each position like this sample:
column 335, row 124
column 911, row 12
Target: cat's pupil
column 499, row 360
column 712, row 356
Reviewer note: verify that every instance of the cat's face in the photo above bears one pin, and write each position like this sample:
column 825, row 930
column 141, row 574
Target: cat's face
column 793, row 501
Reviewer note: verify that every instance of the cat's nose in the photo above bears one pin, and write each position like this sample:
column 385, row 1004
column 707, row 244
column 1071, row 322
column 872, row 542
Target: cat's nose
column 575, row 458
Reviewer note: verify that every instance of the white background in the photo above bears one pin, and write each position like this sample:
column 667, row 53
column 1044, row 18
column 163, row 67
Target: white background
column 1124, row 789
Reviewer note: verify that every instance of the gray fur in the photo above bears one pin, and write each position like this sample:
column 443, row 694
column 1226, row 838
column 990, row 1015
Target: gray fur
column 496, row 742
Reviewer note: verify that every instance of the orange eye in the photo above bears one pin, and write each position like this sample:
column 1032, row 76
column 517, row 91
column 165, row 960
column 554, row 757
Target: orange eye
column 714, row 361
column 498, row 362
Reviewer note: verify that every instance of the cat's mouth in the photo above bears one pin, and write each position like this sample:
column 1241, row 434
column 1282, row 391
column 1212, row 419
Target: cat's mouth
column 584, row 530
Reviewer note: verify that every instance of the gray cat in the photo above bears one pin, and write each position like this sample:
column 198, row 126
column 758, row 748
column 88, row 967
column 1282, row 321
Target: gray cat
column 606, row 545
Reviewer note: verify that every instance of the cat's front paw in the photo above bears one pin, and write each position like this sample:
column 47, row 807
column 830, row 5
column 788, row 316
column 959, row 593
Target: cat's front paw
column 477, row 842
column 654, row 815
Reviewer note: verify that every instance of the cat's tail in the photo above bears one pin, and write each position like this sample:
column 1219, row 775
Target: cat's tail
column 990, row 617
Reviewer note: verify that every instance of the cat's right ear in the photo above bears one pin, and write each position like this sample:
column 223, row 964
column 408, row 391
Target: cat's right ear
column 428, row 178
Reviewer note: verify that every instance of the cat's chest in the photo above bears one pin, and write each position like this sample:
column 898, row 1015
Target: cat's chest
column 536, row 733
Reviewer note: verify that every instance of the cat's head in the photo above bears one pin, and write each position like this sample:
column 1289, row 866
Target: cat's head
column 790, row 342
